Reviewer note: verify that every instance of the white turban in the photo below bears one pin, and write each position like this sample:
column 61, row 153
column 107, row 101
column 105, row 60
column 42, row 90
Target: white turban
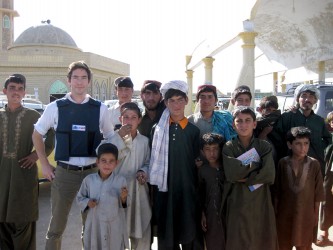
column 305, row 87
column 175, row 84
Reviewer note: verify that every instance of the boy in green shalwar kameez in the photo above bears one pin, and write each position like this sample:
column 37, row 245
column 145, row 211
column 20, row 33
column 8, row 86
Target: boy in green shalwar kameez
column 250, row 220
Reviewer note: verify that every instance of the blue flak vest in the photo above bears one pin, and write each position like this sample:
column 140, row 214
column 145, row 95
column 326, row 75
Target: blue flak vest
column 78, row 133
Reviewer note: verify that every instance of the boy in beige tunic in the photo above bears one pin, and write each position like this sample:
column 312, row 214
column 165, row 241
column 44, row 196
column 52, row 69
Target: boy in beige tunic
column 299, row 190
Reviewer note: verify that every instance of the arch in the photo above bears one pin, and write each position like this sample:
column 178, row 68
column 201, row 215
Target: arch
column 58, row 89
column 96, row 90
column 6, row 22
column 103, row 91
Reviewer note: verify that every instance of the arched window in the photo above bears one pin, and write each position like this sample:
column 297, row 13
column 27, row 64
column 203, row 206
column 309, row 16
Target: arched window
column 57, row 90
column 6, row 22
column 103, row 91
column 96, row 90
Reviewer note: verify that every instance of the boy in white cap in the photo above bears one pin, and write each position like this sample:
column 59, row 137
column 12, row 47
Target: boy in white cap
column 173, row 172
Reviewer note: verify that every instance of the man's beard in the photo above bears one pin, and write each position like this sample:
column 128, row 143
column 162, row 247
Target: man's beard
column 150, row 108
column 307, row 106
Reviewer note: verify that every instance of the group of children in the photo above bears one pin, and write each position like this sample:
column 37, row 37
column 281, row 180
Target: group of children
column 239, row 208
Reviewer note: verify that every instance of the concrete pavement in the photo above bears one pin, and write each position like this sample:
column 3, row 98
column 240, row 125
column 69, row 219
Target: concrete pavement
column 72, row 236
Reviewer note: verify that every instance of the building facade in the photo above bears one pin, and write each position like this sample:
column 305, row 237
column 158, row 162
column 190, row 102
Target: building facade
column 42, row 53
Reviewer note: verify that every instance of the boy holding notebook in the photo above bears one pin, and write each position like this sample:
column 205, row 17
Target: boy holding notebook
column 250, row 220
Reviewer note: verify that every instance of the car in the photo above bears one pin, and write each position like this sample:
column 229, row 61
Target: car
column 138, row 101
column 33, row 104
column 110, row 103
column 52, row 161
column 29, row 103
column 323, row 106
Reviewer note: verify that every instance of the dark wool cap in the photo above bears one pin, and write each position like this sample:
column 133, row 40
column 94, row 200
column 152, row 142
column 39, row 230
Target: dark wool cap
column 124, row 81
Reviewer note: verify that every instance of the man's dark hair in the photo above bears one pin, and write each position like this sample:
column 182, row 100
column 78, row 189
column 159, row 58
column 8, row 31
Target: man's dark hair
column 298, row 132
column 15, row 78
column 107, row 148
column 174, row 92
column 78, row 65
column 212, row 138
column 243, row 110
column 151, row 85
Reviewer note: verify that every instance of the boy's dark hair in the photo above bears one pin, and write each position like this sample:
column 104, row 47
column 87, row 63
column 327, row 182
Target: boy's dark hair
column 15, row 78
column 206, row 88
column 298, row 132
column 107, row 148
column 130, row 106
column 174, row 92
column 243, row 89
column 269, row 102
column 78, row 65
column 211, row 138
column 123, row 81
column 243, row 110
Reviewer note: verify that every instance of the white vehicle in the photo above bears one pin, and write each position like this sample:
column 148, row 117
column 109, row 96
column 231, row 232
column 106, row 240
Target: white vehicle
column 110, row 103
column 27, row 102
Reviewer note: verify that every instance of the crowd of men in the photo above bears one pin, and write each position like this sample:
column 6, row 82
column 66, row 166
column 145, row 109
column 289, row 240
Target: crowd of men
column 77, row 124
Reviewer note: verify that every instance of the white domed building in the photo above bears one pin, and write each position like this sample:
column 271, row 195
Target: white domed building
column 42, row 53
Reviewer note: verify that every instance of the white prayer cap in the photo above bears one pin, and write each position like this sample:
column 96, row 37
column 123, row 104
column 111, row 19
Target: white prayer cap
column 306, row 87
column 175, row 84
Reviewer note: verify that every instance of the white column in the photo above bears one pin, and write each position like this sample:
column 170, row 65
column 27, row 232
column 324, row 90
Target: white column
column 275, row 83
column 247, row 73
column 208, row 61
column 189, row 106
column 321, row 71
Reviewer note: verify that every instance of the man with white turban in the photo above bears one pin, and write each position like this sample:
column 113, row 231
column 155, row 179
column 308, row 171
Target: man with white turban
column 306, row 96
column 172, row 171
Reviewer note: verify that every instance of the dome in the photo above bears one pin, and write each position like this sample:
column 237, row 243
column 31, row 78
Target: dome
column 45, row 34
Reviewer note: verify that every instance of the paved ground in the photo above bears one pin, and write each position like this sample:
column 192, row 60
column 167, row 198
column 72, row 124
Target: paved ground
column 72, row 235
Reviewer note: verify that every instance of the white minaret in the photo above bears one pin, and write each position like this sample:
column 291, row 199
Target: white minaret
column 7, row 14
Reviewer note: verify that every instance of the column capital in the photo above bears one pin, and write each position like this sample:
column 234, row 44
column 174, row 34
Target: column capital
column 208, row 61
column 189, row 73
column 248, row 38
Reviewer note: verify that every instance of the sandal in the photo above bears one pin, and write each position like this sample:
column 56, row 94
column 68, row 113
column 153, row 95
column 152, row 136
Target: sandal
column 322, row 241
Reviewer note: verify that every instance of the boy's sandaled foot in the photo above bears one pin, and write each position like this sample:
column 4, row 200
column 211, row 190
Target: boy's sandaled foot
column 322, row 241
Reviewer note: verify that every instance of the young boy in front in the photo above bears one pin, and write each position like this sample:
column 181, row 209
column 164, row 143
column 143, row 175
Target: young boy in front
column 211, row 181
column 173, row 173
column 103, row 196
column 250, row 219
column 299, row 190
column 134, row 156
